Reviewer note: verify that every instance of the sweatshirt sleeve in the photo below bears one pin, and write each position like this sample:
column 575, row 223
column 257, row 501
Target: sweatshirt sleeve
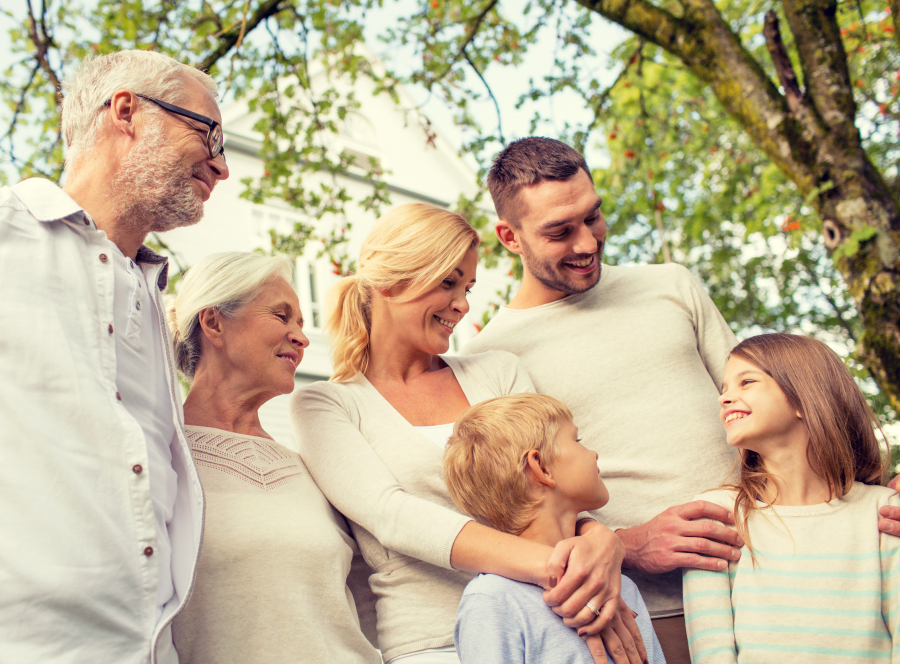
column 708, row 617
column 714, row 338
column 890, row 585
column 708, row 614
column 356, row 481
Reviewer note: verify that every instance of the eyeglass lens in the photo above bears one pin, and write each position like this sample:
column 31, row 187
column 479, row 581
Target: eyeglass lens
column 216, row 141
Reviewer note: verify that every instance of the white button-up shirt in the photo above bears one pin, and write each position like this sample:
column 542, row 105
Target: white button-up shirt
column 78, row 576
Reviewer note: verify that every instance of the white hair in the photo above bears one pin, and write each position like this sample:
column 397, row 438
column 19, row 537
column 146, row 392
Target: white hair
column 95, row 81
column 225, row 282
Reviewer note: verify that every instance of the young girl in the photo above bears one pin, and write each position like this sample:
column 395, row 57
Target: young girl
column 817, row 582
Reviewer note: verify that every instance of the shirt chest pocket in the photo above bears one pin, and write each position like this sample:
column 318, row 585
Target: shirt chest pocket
column 135, row 308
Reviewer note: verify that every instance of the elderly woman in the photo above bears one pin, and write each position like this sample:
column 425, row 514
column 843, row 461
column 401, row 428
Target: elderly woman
column 373, row 439
column 271, row 582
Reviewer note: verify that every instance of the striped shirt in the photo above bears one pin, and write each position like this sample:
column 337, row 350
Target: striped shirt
column 825, row 587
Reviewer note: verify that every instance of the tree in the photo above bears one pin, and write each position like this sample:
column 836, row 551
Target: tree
column 763, row 158
column 689, row 64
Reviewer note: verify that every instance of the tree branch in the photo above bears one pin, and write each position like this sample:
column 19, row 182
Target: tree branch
column 782, row 62
column 839, row 314
column 895, row 18
column 598, row 102
column 710, row 49
column 233, row 35
column 20, row 105
column 491, row 93
column 41, row 44
column 471, row 31
column 823, row 60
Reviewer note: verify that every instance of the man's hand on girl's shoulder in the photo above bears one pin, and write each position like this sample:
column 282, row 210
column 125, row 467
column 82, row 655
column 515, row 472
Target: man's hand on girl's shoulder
column 689, row 535
column 890, row 515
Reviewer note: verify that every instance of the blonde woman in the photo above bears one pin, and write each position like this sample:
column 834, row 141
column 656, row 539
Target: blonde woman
column 271, row 582
column 373, row 438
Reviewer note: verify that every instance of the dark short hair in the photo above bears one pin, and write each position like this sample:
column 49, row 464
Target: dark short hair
column 526, row 162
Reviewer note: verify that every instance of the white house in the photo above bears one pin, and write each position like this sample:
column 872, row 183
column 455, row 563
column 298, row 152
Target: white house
column 420, row 167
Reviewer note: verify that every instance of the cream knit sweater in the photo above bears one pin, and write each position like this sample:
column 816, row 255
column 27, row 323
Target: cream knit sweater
column 385, row 477
column 271, row 583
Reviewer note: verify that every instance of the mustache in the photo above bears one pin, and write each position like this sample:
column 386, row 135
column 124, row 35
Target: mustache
column 579, row 257
column 204, row 173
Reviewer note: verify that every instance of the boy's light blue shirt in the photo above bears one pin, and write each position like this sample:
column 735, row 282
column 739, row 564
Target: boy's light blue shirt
column 500, row 621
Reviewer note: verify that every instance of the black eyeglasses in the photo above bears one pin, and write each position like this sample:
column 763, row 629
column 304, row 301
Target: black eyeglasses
column 215, row 139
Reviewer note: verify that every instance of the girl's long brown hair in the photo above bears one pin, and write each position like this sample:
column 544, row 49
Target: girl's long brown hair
column 842, row 448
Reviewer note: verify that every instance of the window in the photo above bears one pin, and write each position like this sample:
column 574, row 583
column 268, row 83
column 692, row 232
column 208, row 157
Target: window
column 315, row 304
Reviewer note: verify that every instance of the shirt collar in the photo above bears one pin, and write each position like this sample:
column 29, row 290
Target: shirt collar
column 146, row 255
column 47, row 202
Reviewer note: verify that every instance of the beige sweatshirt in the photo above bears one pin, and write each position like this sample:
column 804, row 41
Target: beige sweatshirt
column 271, row 581
column 639, row 360
column 385, row 477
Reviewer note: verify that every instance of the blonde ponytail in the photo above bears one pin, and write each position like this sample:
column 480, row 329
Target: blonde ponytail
column 348, row 324
column 411, row 249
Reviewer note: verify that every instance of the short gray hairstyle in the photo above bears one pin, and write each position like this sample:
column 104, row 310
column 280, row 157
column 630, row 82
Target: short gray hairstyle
column 225, row 282
column 97, row 78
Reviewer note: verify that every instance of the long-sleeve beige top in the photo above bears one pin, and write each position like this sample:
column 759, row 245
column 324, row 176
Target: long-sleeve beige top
column 271, row 583
column 385, row 477
column 639, row 360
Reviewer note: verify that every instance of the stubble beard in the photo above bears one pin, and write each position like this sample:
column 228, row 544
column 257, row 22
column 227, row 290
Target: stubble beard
column 555, row 278
column 153, row 190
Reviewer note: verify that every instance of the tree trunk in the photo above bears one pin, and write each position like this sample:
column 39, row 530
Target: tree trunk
column 810, row 135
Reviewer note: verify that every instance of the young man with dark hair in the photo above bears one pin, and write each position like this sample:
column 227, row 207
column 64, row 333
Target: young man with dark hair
column 637, row 353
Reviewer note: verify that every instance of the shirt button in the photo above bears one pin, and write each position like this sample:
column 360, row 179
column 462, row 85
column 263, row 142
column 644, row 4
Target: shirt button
column 148, row 551
column 118, row 396
column 137, row 305
column 103, row 258
column 137, row 468
column 110, row 328
column 131, row 264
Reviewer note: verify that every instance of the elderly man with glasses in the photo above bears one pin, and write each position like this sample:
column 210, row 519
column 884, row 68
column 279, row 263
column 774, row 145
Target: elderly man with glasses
column 100, row 505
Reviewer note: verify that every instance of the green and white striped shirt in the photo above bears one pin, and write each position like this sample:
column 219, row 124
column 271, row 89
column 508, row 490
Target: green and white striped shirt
column 825, row 587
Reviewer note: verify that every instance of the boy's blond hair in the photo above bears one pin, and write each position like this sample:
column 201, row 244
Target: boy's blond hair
column 486, row 457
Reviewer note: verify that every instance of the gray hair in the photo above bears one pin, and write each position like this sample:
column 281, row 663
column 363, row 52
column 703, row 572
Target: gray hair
column 95, row 81
column 225, row 282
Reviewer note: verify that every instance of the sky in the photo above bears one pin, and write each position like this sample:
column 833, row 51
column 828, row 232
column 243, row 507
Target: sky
column 507, row 83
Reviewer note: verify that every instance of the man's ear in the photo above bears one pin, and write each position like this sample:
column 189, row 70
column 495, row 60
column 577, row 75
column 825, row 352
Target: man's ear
column 212, row 324
column 122, row 108
column 536, row 470
column 508, row 236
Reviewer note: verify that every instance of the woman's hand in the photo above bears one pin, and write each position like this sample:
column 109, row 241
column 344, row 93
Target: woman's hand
column 621, row 637
column 586, row 569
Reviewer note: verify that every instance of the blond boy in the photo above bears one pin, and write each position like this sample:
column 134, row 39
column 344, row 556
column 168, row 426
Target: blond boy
column 515, row 464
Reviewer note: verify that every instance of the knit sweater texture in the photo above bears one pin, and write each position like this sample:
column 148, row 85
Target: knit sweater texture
column 272, row 578
column 386, row 478
column 639, row 360
column 825, row 587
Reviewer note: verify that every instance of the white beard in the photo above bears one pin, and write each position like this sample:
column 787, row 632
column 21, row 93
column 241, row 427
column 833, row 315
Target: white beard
column 153, row 190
